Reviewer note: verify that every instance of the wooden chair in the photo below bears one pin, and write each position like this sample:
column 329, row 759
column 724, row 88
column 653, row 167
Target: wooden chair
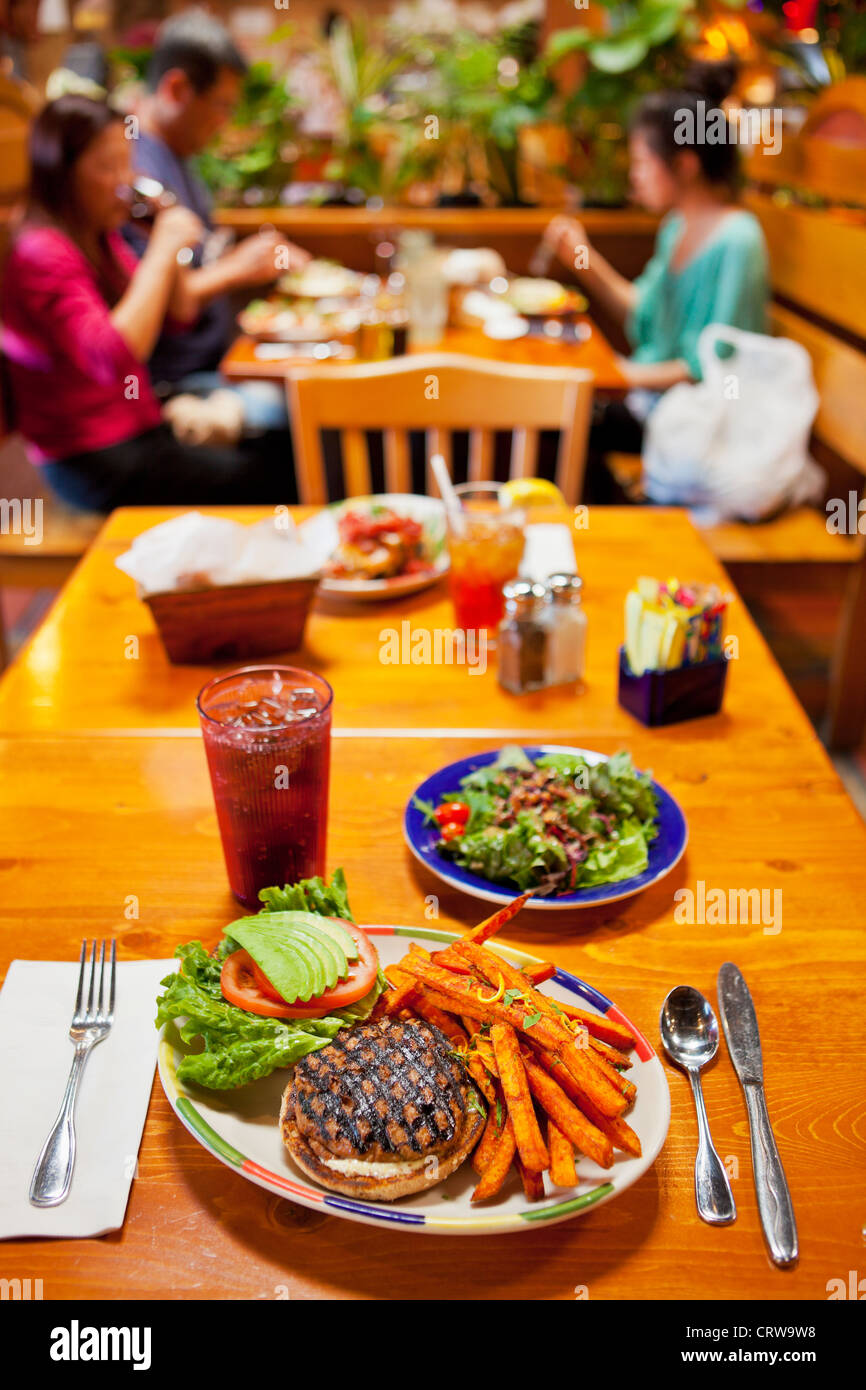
column 437, row 394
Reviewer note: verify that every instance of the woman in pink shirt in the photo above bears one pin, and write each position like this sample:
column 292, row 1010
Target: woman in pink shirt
column 80, row 318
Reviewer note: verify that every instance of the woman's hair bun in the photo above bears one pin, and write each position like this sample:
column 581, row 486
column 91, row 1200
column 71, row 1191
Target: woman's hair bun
column 711, row 80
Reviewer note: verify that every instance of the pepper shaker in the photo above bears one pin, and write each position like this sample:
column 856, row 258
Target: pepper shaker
column 523, row 638
column 566, row 648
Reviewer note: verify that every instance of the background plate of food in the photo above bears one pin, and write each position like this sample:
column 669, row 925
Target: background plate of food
column 547, row 298
column 321, row 279
column 298, row 321
column 570, row 825
column 547, row 1101
column 379, row 546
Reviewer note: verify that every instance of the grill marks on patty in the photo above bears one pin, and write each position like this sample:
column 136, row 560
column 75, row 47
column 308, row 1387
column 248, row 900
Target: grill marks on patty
column 384, row 1090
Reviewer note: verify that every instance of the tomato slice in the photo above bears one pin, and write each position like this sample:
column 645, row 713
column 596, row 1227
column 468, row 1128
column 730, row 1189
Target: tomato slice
column 245, row 985
column 452, row 813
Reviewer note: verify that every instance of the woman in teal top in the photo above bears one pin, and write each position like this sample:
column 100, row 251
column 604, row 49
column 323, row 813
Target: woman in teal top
column 709, row 264
column 723, row 281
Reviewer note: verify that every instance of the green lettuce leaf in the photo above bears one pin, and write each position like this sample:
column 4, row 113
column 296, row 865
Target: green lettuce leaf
column 520, row 852
column 618, row 858
column 310, row 895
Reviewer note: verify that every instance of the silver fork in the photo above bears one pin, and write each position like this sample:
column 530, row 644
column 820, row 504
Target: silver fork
column 52, row 1176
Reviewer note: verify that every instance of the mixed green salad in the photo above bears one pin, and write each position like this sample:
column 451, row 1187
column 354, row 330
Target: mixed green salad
column 238, row 1044
column 551, row 826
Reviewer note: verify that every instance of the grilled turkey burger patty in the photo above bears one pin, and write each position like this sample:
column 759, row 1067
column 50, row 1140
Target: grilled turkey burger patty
column 369, row 1113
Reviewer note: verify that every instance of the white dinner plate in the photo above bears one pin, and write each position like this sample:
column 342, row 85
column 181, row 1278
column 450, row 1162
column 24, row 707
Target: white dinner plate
column 241, row 1129
column 320, row 533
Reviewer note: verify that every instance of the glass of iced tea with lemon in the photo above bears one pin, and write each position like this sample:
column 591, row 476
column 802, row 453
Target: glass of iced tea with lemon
column 485, row 541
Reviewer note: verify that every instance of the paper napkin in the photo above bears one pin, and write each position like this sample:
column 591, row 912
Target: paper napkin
column 36, row 1005
column 548, row 549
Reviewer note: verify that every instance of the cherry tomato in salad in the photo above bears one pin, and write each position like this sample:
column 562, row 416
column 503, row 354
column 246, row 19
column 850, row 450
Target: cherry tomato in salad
column 452, row 830
column 244, row 984
column 452, row 813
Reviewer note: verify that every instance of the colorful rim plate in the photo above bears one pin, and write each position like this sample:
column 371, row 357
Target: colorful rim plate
column 320, row 532
column 665, row 852
column 240, row 1129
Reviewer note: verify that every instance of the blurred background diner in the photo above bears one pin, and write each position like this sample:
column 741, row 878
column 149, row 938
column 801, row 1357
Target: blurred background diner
column 200, row 208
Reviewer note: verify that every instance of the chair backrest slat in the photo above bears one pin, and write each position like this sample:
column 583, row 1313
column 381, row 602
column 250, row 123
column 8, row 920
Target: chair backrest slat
column 398, row 467
column 524, row 453
column 480, row 456
column 356, row 464
column 571, row 459
column 438, row 442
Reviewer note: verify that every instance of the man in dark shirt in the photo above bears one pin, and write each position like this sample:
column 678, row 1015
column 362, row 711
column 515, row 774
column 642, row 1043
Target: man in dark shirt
column 193, row 83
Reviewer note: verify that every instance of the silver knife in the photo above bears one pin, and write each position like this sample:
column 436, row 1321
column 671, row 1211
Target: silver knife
column 740, row 1025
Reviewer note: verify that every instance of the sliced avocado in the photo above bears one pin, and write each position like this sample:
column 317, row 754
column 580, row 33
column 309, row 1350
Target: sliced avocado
column 328, row 953
column 332, row 940
column 301, row 953
column 338, row 932
column 312, row 919
column 327, row 925
column 291, row 965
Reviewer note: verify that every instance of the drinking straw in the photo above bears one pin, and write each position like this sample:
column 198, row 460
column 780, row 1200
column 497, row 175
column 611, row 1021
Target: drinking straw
column 446, row 487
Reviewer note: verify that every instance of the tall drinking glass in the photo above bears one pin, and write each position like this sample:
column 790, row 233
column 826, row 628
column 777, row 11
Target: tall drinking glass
column 267, row 736
column 485, row 541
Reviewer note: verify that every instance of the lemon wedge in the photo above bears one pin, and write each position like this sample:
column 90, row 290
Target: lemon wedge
column 532, row 492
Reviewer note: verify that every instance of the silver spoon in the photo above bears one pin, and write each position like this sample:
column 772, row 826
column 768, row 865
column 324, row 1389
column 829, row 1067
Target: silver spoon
column 690, row 1035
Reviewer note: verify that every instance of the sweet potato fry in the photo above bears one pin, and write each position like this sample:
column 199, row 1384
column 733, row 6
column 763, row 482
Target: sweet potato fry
column 403, row 992
column 484, row 1048
column 422, row 1007
column 449, row 960
column 497, row 1115
column 491, row 925
column 626, row 1088
column 481, row 1077
column 533, row 1183
column 621, row 1135
column 466, row 1001
column 496, row 1172
column 611, row 1054
column 562, row 1170
column 600, row 1027
column 592, row 1081
column 417, row 1003
column 574, row 1125
column 582, row 1062
column 537, row 974
column 515, row 1088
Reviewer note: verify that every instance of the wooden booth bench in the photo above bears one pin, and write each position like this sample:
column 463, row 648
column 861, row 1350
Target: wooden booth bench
column 817, row 254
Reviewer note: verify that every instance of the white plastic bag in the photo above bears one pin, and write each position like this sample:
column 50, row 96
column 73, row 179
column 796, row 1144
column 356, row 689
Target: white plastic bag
column 736, row 444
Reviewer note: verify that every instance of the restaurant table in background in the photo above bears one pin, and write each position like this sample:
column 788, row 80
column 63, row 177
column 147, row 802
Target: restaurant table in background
column 107, row 826
column 97, row 662
column 594, row 353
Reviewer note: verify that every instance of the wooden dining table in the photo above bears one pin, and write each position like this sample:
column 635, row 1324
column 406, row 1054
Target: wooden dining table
column 105, row 799
column 589, row 350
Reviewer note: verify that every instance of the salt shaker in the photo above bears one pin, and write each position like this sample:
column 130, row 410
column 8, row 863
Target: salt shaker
column 566, row 648
column 523, row 638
